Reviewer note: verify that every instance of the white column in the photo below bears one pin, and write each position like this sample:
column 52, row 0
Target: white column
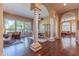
column 35, row 26
column 77, row 28
column 52, row 29
column 1, row 30
column 35, row 45
column 57, row 28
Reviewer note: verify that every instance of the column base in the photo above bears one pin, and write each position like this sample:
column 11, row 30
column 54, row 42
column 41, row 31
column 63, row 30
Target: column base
column 51, row 39
column 77, row 41
column 57, row 38
column 35, row 46
column 42, row 40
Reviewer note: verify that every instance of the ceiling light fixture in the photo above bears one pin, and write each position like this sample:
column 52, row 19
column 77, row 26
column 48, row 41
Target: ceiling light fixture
column 65, row 4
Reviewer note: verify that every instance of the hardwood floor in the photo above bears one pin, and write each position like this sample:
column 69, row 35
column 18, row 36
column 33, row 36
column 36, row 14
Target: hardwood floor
column 67, row 46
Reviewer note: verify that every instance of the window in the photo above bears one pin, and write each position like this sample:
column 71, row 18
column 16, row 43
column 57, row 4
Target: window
column 73, row 27
column 68, row 22
column 9, row 25
column 66, row 26
column 20, row 26
column 42, row 28
column 28, row 27
column 16, row 25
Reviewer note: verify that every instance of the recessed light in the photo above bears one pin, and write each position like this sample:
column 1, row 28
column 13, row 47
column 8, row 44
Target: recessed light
column 65, row 4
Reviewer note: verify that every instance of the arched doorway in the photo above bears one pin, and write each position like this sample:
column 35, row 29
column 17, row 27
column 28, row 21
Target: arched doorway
column 68, row 24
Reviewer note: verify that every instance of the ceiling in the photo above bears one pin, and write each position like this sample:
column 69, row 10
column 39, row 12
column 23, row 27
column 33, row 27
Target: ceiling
column 23, row 9
column 60, row 8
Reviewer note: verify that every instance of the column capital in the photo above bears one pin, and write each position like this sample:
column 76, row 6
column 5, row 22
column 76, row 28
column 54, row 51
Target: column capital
column 35, row 6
